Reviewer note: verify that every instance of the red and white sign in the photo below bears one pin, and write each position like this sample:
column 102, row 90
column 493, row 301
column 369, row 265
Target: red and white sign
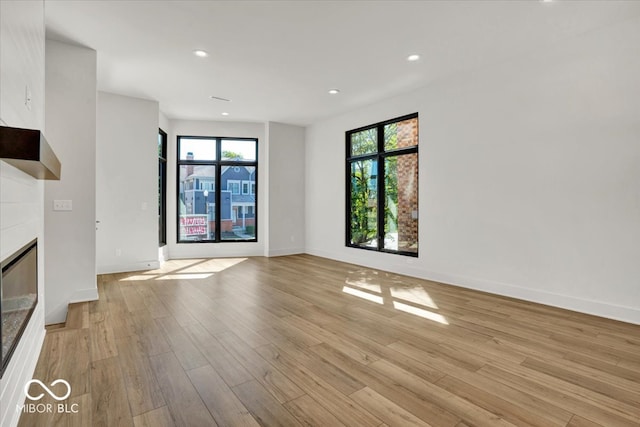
column 193, row 225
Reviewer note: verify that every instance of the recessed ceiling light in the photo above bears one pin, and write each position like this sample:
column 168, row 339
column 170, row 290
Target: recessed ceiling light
column 225, row 114
column 413, row 57
column 334, row 91
column 200, row 53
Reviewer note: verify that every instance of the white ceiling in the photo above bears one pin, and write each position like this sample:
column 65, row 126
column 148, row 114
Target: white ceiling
column 276, row 60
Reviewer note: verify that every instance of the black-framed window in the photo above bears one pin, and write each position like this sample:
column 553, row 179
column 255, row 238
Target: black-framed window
column 162, row 187
column 211, row 206
column 382, row 186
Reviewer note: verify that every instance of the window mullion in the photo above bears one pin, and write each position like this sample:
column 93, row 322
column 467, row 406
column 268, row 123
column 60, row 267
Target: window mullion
column 380, row 166
column 218, row 185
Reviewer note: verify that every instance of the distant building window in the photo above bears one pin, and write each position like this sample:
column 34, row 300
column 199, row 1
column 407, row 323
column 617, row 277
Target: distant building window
column 233, row 186
column 206, row 164
column 382, row 186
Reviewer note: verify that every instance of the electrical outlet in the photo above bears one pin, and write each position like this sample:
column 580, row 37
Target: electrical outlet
column 62, row 205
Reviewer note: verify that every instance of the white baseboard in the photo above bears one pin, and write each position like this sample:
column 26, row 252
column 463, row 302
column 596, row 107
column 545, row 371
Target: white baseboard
column 568, row 302
column 125, row 268
column 84, row 295
column 286, row 251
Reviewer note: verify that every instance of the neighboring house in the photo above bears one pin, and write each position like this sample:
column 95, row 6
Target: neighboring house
column 237, row 201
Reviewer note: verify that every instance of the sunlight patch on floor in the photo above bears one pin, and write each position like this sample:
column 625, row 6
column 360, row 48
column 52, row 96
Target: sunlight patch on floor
column 364, row 295
column 364, row 284
column 420, row 312
column 415, row 295
column 196, row 269
column 190, row 276
column 417, row 300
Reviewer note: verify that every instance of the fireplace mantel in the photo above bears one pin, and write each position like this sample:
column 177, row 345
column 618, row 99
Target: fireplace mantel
column 29, row 151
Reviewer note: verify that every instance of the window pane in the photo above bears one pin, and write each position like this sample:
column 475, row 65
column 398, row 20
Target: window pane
column 364, row 200
column 197, row 149
column 364, row 142
column 196, row 203
column 237, row 216
column 401, row 134
column 238, row 150
column 401, row 204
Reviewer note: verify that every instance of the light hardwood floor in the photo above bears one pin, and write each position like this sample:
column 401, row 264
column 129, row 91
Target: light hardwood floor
column 301, row 340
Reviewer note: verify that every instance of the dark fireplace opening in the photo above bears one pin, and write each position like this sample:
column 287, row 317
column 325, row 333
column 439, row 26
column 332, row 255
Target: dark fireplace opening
column 18, row 297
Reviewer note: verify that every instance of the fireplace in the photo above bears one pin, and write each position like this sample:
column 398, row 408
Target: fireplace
column 18, row 297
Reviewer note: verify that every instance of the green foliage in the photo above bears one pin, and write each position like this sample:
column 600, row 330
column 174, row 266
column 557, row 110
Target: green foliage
column 364, row 142
column 391, row 194
column 391, row 136
column 250, row 229
column 364, row 198
column 363, row 202
column 226, row 154
column 364, row 194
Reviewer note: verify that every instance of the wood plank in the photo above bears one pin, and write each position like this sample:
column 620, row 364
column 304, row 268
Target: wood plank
column 77, row 316
column 482, row 398
column 103, row 342
column 385, row 409
column 420, row 405
column 185, row 405
column 225, row 364
column 270, row 378
column 109, row 395
column 184, row 349
column 151, row 337
column 311, row 413
column 143, row 390
column 263, row 405
column 573, row 400
column 578, row 421
column 222, row 403
column 605, row 388
column 156, row 418
column 453, row 403
column 314, row 386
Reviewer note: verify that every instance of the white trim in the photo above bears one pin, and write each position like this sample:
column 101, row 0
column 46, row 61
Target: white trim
column 84, row 295
column 125, row 268
column 596, row 308
column 21, row 368
column 285, row 251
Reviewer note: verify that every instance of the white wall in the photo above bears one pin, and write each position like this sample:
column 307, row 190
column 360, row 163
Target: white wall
column 21, row 196
column 222, row 129
column 71, row 126
column 127, row 183
column 286, row 189
column 529, row 175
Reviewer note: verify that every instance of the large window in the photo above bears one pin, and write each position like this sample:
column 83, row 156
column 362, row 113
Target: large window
column 382, row 186
column 162, row 187
column 212, row 206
